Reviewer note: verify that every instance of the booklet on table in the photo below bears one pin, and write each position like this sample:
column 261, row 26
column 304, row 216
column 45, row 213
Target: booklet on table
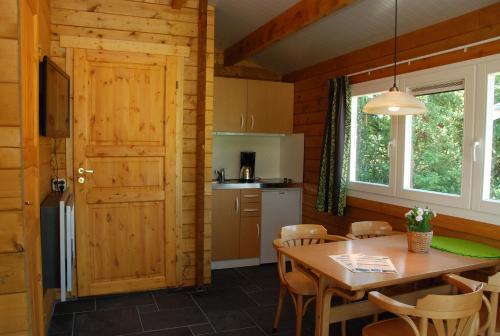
column 365, row 263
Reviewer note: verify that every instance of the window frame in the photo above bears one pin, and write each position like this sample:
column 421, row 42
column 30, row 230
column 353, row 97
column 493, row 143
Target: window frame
column 479, row 203
column 463, row 200
column 365, row 88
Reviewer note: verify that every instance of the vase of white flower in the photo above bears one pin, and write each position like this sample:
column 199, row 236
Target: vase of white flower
column 419, row 229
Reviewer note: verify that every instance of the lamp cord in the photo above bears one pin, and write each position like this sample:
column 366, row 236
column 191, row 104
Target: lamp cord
column 395, row 39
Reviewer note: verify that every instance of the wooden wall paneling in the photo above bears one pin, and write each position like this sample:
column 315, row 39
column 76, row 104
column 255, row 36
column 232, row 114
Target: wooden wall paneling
column 200, row 140
column 12, row 273
column 115, row 45
column 14, row 311
column 113, row 28
column 11, row 232
column 310, row 106
column 9, row 58
column 9, row 104
column 68, row 143
column 8, row 19
column 29, row 62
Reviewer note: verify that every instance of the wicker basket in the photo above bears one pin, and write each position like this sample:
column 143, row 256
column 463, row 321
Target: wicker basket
column 419, row 242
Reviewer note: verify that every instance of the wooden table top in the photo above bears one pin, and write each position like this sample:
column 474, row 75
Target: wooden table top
column 410, row 266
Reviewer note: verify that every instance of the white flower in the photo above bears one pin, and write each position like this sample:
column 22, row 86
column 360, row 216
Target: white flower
column 419, row 218
column 420, row 212
column 426, row 210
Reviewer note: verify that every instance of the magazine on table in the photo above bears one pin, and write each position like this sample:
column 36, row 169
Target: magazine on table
column 364, row 263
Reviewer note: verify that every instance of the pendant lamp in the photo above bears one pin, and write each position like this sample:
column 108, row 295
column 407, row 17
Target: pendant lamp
column 395, row 102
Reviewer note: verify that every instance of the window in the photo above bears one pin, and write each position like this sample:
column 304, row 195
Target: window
column 492, row 140
column 434, row 141
column 448, row 158
column 371, row 136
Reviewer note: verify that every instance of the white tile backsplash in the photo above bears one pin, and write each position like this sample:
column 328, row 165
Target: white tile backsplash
column 270, row 160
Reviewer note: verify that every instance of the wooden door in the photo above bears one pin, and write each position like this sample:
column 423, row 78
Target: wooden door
column 125, row 137
column 270, row 107
column 226, row 224
column 230, row 104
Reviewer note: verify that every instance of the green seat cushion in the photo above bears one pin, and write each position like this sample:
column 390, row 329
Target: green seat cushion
column 465, row 247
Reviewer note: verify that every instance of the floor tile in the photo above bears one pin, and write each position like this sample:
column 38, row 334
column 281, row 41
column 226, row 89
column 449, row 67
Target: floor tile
column 61, row 325
column 223, row 299
column 177, row 300
column 172, row 318
column 229, row 319
column 269, row 297
column 226, row 278
column 149, row 308
column 124, row 300
column 108, row 322
column 74, row 306
column 241, row 332
column 169, row 332
column 202, row 329
column 264, row 317
column 265, row 276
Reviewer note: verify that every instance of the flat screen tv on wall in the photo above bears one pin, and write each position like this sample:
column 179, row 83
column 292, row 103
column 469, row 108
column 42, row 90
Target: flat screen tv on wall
column 54, row 100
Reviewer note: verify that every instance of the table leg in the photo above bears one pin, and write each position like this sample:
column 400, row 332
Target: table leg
column 323, row 304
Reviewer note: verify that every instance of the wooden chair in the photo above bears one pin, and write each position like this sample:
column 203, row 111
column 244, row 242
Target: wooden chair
column 451, row 315
column 370, row 229
column 489, row 317
column 296, row 282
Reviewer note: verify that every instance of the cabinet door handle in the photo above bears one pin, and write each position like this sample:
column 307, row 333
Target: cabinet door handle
column 237, row 205
column 250, row 210
column 258, row 230
column 242, row 121
column 252, row 120
column 250, row 196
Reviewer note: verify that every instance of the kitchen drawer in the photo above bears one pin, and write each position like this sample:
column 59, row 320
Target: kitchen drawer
column 250, row 209
column 250, row 196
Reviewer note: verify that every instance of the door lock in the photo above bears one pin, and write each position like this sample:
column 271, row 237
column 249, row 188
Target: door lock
column 81, row 180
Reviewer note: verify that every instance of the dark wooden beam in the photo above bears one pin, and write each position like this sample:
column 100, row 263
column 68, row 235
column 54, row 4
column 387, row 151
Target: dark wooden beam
column 178, row 4
column 200, row 143
column 292, row 20
column 475, row 26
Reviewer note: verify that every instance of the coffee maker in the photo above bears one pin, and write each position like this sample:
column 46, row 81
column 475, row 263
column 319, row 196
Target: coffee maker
column 247, row 166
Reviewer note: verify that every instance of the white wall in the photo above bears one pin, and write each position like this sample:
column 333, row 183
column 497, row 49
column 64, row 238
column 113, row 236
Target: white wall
column 276, row 156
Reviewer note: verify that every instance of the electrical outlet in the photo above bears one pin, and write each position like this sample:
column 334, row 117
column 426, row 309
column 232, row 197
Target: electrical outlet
column 58, row 184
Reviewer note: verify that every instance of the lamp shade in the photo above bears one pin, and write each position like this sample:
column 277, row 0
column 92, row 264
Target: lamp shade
column 395, row 103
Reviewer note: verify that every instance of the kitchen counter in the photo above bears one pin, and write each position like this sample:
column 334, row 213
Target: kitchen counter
column 257, row 184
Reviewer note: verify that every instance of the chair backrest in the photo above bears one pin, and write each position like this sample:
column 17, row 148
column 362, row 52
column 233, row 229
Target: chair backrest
column 492, row 287
column 453, row 315
column 302, row 234
column 369, row 229
column 298, row 235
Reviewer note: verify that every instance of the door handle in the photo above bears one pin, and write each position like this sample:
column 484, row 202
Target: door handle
column 250, row 210
column 253, row 120
column 237, row 205
column 242, row 121
column 258, row 230
column 85, row 171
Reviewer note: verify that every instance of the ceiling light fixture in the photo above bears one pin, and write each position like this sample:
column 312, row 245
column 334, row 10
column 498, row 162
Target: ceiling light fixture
column 395, row 102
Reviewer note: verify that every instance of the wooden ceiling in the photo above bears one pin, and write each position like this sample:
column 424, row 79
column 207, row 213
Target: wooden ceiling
column 308, row 32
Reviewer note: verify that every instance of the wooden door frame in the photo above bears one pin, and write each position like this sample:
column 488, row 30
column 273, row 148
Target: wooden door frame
column 173, row 133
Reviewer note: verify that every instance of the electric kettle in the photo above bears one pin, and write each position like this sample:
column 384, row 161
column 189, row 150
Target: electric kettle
column 246, row 174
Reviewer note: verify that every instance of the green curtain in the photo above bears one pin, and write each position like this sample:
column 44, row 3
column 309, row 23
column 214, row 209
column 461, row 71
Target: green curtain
column 334, row 168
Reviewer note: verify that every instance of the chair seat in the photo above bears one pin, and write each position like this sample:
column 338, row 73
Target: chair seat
column 300, row 283
column 394, row 327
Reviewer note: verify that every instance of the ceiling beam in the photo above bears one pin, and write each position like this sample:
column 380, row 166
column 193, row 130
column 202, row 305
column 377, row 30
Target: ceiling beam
column 300, row 15
column 478, row 25
column 178, row 4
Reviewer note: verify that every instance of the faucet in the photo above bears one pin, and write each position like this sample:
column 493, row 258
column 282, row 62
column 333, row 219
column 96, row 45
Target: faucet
column 221, row 175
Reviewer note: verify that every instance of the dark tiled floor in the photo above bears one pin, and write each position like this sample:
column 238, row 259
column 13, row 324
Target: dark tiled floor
column 240, row 302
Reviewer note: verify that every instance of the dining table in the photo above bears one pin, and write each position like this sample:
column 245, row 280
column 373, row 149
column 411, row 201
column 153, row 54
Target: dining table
column 333, row 279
